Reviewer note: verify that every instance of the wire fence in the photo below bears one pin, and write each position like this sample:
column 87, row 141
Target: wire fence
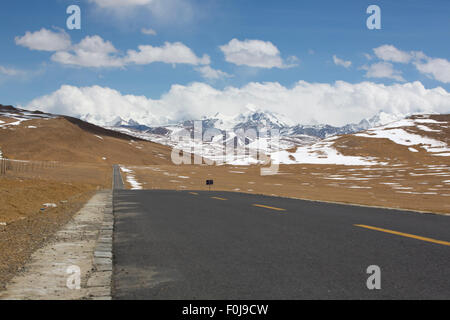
column 8, row 166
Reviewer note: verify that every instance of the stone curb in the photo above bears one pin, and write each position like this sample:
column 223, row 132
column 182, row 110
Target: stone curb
column 99, row 282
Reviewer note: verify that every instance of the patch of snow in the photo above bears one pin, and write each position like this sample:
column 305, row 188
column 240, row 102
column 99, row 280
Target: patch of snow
column 402, row 137
column 429, row 121
column 320, row 153
column 49, row 205
column 425, row 128
column 131, row 179
column 101, row 138
column 412, row 149
column 359, row 187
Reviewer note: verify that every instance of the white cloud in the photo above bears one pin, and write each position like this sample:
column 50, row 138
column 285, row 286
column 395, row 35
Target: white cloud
column 340, row 62
column 169, row 53
column 44, row 40
column 391, row 53
column 337, row 104
column 382, row 70
column 90, row 52
column 94, row 51
column 253, row 53
column 213, row 74
column 149, row 32
column 438, row 69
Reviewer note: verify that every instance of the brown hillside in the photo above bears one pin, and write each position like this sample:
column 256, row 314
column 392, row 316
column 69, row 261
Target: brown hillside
column 391, row 152
column 71, row 140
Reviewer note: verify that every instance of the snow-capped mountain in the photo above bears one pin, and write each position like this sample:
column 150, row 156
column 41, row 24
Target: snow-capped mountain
column 221, row 131
column 262, row 120
column 251, row 119
column 324, row 131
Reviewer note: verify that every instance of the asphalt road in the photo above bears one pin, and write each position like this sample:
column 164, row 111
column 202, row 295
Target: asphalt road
column 218, row 245
column 117, row 178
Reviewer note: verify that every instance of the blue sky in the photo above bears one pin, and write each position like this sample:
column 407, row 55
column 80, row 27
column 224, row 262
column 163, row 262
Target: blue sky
column 314, row 41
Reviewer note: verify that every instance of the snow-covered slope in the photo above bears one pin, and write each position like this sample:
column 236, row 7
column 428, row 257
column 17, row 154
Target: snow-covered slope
column 322, row 152
column 414, row 139
column 414, row 133
column 13, row 116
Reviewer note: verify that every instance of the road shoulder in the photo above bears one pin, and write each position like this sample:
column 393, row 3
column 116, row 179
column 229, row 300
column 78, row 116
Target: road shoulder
column 84, row 244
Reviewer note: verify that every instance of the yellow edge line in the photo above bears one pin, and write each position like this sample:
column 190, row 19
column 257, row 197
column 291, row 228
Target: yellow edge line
column 267, row 207
column 217, row 198
column 194, row 193
column 445, row 243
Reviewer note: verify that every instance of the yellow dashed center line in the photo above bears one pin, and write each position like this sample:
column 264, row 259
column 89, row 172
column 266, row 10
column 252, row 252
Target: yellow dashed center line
column 407, row 235
column 267, row 207
column 194, row 193
column 217, row 198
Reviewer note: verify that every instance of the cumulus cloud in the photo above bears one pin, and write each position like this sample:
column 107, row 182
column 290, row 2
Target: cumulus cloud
column 435, row 68
column 391, row 53
column 438, row 69
column 169, row 53
column 382, row 70
column 94, row 51
column 212, row 74
column 336, row 104
column 45, row 40
column 340, row 62
column 90, row 52
column 253, row 53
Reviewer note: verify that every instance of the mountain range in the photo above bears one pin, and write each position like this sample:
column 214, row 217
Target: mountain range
column 260, row 120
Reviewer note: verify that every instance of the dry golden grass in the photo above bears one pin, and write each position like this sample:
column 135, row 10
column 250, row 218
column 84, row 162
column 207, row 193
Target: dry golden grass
column 23, row 193
column 28, row 228
column 388, row 151
column 383, row 186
